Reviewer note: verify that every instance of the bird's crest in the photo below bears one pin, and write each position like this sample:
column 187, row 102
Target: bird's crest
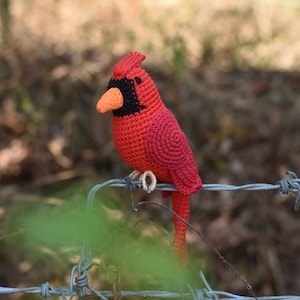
column 130, row 61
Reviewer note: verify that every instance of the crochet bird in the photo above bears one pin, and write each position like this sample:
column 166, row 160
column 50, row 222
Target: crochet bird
column 149, row 139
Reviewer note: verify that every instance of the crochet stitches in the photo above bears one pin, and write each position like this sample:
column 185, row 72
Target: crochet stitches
column 180, row 204
column 130, row 61
column 131, row 103
column 168, row 148
column 113, row 97
column 148, row 137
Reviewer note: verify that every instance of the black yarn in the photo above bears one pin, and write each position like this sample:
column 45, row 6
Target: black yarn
column 131, row 103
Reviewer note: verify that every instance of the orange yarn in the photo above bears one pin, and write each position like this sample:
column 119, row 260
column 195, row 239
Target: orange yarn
column 112, row 99
column 148, row 137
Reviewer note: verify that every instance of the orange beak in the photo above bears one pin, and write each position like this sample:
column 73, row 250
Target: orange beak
column 112, row 99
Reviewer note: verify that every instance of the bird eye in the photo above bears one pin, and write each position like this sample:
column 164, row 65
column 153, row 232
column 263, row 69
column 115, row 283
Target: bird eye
column 138, row 80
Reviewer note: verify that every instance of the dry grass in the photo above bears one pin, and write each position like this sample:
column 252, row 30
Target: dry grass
column 182, row 33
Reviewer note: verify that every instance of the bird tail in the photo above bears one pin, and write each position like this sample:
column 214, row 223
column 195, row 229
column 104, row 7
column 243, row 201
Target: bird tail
column 181, row 206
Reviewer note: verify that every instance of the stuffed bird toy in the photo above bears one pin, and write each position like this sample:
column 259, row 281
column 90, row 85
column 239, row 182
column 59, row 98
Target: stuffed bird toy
column 149, row 139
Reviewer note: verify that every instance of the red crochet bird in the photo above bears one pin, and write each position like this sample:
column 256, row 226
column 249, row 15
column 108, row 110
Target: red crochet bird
column 149, row 139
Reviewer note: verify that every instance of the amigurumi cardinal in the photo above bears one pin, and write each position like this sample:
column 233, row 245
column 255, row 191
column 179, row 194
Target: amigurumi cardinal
column 149, row 139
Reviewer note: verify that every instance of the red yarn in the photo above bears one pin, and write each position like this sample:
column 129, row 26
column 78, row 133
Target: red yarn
column 181, row 206
column 148, row 137
column 132, row 60
column 168, row 148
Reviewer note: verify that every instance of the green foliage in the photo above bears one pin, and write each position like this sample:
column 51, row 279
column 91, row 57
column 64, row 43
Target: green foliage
column 26, row 104
column 178, row 53
column 64, row 229
column 129, row 252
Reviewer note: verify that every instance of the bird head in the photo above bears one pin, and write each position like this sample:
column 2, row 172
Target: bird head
column 130, row 90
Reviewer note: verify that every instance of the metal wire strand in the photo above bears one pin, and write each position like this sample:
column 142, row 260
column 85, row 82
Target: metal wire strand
column 79, row 283
column 288, row 185
column 283, row 186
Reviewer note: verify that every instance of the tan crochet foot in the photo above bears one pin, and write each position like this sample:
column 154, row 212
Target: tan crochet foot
column 151, row 187
column 135, row 174
column 143, row 178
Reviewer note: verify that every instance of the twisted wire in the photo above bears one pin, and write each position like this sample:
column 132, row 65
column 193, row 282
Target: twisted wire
column 198, row 294
column 80, row 286
column 283, row 186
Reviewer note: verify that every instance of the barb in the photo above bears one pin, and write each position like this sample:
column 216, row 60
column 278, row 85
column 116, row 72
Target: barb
column 82, row 286
column 283, row 186
column 288, row 185
column 207, row 293
column 79, row 279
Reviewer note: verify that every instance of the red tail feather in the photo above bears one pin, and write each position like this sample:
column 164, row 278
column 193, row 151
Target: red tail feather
column 181, row 205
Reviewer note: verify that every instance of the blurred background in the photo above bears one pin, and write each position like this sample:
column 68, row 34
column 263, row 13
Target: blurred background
column 228, row 69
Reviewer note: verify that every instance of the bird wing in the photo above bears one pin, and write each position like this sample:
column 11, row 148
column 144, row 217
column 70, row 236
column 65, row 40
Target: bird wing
column 167, row 147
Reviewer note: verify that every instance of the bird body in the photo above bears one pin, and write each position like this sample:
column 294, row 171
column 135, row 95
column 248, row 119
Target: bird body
column 148, row 137
column 131, row 146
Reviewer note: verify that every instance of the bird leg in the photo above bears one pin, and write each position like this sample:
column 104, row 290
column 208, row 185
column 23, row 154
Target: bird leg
column 143, row 178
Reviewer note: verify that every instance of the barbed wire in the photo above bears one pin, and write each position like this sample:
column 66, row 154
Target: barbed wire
column 79, row 280
column 283, row 186
column 207, row 293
